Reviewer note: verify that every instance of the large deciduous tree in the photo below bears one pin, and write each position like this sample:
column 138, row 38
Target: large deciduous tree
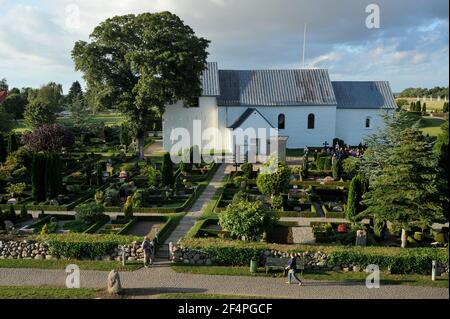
column 143, row 63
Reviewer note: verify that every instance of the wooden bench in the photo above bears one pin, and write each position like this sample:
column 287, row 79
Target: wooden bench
column 282, row 263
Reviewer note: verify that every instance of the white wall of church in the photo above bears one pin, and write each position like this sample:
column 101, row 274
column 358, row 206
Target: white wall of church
column 351, row 124
column 177, row 116
column 296, row 122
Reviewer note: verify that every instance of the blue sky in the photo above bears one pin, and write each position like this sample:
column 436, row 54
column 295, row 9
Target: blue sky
column 410, row 48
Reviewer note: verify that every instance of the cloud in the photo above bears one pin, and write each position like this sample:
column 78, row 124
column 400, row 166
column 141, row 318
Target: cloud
column 244, row 34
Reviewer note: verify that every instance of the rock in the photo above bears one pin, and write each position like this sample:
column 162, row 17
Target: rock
column 356, row 268
column 208, row 262
column 346, row 269
column 196, row 257
column 49, row 257
column 186, row 261
column 336, row 268
column 114, row 287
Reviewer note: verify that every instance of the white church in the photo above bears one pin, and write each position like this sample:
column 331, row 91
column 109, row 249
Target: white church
column 303, row 106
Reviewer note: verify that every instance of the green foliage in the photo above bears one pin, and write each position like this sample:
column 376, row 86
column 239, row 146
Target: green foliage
column 128, row 208
column 167, row 171
column 157, row 67
column 7, row 123
column 404, row 190
column 379, row 227
column 44, row 230
column 12, row 217
column 445, row 107
column 274, row 180
column 3, row 150
column 80, row 113
column 90, row 212
column 357, row 188
column 125, row 136
column 2, row 220
column 16, row 189
column 23, row 212
column 39, row 112
column 277, row 202
column 38, row 177
column 154, row 176
column 79, row 246
column 246, row 219
column 337, row 169
column 323, row 162
column 53, row 176
column 441, row 154
column 14, row 104
column 247, row 169
column 12, row 143
column 351, row 166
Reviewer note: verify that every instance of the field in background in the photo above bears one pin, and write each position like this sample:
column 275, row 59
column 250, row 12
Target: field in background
column 110, row 119
column 431, row 125
column 431, row 105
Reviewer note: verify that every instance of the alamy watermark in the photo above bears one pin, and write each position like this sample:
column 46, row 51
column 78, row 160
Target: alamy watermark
column 373, row 19
column 73, row 277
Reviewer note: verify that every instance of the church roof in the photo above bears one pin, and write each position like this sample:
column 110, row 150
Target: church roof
column 364, row 95
column 294, row 87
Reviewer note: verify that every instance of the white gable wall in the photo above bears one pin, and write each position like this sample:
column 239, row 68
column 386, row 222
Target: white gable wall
column 351, row 124
column 296, row 122
column 177, row 116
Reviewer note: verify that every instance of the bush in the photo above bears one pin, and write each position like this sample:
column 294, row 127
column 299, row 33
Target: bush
column 167, row 171
column 128, row 208
column 85, row 245
column 90, row 212
column 247, row 169
column 274, row 181
column 246, row 219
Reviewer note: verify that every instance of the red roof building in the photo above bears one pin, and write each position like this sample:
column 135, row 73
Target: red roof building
column 3, row 95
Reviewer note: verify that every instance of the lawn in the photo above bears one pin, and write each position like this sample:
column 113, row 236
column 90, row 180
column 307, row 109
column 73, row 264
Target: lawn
column 113, row 119
column 386, row 278
column 431, row 125
column 431, row 105
column 47, row 293
column 62, row 264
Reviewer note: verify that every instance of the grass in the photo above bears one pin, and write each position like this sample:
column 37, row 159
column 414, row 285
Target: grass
column 47, row 293
column 63, row 263
column 431, row 125
column 113, row 119
column 204, row 296
column 386, row 278
column 431, row 105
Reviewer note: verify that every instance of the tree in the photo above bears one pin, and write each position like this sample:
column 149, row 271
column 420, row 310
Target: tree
column 90, row 212
column 337, row 169
column 7, row 122
column 424, row 109
column 445, row 107
column 3, row 85
column 80, row 114
column 2, row 220
column 38, row 177
column 143, row 63
column 48, row 139
column 12, row 143
column 38, row 112
column 75, row 93
column 356, row 190
column 50, row 94
column 404, row 192
column 14, row 104
column 441, row 154
column 53, row 177
column 23, row 212
column 128, row 208
column 3, row 151
column 167, row 171
column 16, row 189
column 247, row 169
column 245, row 219
column 274, row 179
column 124, row 135
column 12, row 217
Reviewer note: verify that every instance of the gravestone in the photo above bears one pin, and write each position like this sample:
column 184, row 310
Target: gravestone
column 114, row 285
column 361, row 238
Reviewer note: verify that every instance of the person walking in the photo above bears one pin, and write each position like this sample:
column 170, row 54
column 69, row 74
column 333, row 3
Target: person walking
column 147, row 247
column 292, row 268
column 171, row 252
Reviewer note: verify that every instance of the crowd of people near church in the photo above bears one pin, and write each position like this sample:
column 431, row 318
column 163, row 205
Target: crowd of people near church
column 338, row 151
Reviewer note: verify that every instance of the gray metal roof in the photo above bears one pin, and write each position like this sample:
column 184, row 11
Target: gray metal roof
column 364, row 95
column 244, row 116
column 210, row 80
column 275, row 87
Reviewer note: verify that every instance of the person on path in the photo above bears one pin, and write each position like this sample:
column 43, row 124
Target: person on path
column 147, row 247
column 171, row 251
column 292, row 268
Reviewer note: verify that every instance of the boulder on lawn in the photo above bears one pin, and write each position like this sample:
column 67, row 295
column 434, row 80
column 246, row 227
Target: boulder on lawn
column 114, row 285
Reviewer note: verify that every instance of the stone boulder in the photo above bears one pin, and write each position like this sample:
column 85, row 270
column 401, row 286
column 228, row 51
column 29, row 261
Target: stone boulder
column 114, row 285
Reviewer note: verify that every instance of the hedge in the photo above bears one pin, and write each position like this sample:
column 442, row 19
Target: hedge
column 96, row 226
column 398, row 260
column 79, row 246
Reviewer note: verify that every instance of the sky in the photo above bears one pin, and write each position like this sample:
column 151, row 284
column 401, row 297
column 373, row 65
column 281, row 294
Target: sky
column 410, row 48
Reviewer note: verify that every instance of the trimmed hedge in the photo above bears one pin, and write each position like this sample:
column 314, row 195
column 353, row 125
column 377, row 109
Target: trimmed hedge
column 92, row 229
column 398, row 260
column 79, row 246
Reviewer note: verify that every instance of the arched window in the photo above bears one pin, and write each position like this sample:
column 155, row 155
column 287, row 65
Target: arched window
column 281, row 122
column 368, row 122
column 311, row 121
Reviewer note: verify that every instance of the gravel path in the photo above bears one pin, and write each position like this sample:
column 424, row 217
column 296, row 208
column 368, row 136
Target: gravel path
column 197, row 209
column 161, row 279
